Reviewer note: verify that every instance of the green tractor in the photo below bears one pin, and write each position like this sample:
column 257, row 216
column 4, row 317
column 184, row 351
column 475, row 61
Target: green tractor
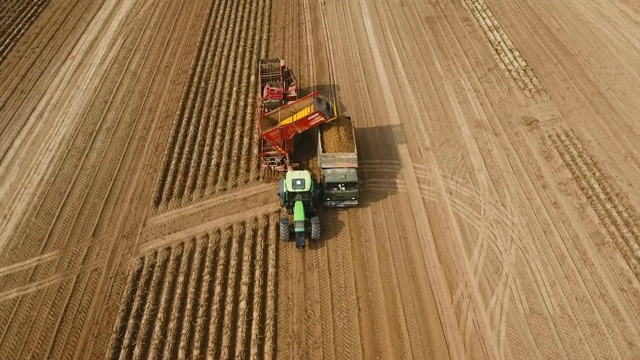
column 299, row 194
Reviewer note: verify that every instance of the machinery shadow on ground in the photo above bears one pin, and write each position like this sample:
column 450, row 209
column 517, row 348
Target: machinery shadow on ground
column 332, row 226
column 326, row 89
column 379, row 172
column 379, row 162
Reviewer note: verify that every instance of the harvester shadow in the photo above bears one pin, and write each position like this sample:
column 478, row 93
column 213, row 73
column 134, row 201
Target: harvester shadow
column 325, row 89
column 379, row 162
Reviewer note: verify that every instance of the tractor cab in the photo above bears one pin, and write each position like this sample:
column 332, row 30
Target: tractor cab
column 299, row 185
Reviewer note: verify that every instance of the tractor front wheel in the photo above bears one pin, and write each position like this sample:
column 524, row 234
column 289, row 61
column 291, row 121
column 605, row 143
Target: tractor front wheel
column 284, row 229
column 315, row 228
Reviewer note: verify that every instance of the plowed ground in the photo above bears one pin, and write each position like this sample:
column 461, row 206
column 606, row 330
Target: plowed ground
column 498, row 143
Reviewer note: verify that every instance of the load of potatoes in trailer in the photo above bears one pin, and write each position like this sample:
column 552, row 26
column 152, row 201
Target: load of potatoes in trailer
column 338, row 136
column 338, row 162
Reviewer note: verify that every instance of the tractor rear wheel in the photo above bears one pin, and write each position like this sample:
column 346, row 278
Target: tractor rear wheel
column 284, row 229
column 315, row 228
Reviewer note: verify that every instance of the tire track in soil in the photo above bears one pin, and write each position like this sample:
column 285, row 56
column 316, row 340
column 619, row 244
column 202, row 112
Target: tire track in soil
column 77, row 317
column 68, row 209
column 346, row 320
column 380, row 147
column 390, row 277
column 617, row 217
column 580, row 330
column 376, row 310
column 167, row 76
column 61, row 98
column 47, row 187
column 52, row 24
column 89, row 299
column 66, row 268
column 74, row 339
column 113, row 202
column 313, row 332
column 577, row 311
column 106, row 164
column 211, row 293
column 66, row 334
column 603, row 276
column 404, row 293
column 219, row 96
column 20, row 75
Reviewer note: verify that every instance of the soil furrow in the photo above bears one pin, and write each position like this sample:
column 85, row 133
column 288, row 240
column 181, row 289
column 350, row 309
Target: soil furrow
column 188, row 321
column 177, row 306
column 219, row 294
column 164, row 310
column 206, row 295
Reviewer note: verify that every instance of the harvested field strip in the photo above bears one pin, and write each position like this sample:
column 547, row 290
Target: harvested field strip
column 210, row 294
column 505, row 52
column 74, row 195
column 212, row 134
column 33, row 69
column 617, row 217
column 16, row 18
column 61, row 288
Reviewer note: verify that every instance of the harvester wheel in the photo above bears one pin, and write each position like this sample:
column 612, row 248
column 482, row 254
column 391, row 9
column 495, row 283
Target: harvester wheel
column 284, row 229
column 315, row 228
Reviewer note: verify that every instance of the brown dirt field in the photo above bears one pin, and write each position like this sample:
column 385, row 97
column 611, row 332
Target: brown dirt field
column 499, row 148
column 204, row 296
column 17, row 16
column 337, row 136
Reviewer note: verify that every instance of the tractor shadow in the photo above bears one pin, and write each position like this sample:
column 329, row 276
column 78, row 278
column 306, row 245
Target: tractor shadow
column 325, row 89
column 379, row 162
column 331, row 226
column 379, row 173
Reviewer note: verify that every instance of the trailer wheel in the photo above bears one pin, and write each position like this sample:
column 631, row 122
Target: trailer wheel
column 315, row 228
column 284, row 229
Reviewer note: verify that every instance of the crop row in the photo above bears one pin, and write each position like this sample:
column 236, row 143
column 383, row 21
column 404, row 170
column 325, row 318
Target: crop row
column 213, row 142
column 212, row 295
